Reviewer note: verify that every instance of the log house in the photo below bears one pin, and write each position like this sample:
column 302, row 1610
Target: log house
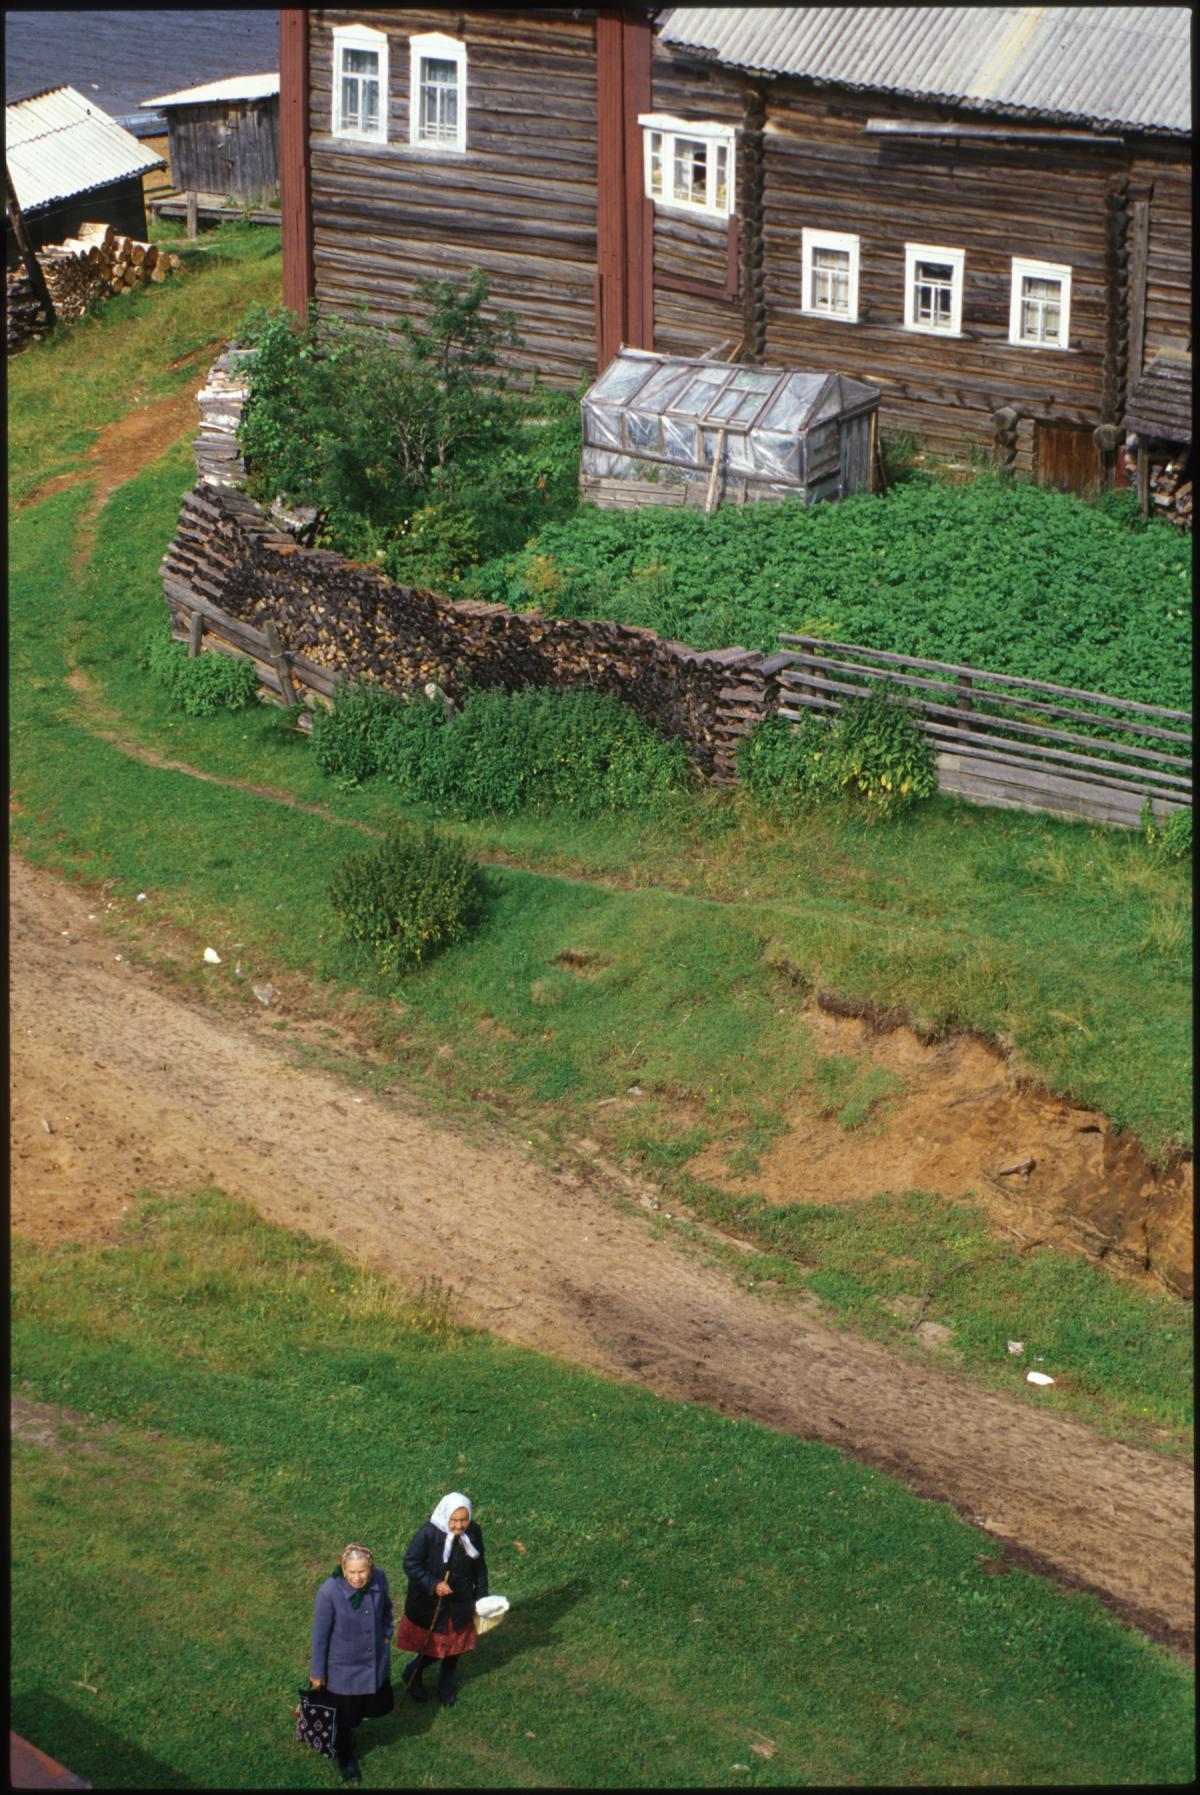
column 1002, row 252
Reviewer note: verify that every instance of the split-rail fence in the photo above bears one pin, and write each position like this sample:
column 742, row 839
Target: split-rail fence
column 1001, row 739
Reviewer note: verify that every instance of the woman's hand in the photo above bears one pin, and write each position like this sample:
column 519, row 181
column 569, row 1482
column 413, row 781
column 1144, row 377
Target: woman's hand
column 443, row 1588
column 316, row 1682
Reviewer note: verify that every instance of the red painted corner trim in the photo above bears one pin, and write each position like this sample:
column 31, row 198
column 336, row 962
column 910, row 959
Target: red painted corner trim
column 295, row 187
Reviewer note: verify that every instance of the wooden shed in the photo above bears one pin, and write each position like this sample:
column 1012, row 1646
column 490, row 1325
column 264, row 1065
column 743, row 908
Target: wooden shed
column 223, row 137
column 669, row 430
column 71, row 164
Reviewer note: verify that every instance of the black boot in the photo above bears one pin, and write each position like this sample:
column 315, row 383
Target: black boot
column 410, row 1676
column 448, row 1682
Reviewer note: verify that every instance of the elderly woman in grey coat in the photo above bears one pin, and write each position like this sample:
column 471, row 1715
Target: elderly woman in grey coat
column 351, row 1648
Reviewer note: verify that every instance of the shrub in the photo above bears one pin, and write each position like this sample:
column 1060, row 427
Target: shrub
column 435, row 547
column 348, row 740
column 871, row 755
column 1172, row 838
column 584, row 751
column 201, row 685
column 408, row 898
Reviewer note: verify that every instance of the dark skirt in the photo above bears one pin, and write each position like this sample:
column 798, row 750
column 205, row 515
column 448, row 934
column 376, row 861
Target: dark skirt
column 354, row 1709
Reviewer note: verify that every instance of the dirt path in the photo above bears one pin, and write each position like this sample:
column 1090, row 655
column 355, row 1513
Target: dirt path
column 140, row 1087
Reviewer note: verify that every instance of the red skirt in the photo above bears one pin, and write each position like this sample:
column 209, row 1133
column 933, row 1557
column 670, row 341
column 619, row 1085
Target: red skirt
column 448, row 1643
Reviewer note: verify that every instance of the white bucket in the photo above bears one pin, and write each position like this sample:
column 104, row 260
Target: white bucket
column 489, row 1612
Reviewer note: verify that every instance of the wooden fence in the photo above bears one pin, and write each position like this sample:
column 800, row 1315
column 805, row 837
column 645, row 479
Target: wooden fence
column 1000, row 739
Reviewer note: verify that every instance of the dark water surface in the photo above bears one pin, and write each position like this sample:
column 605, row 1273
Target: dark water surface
column 122, row 58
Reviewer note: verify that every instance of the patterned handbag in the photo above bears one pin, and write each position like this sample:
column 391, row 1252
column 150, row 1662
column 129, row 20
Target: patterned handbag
column 316, row 1723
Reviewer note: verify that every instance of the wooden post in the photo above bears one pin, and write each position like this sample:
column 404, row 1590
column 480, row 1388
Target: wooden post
column 33, row 267
column 963, row 700
column 283, row 672
column 193, row 220
column 195, row 632
column 714, row 478
column 1143, row 477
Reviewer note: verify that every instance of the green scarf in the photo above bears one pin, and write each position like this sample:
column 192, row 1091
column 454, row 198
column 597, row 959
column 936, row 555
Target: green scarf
column 358, row 1594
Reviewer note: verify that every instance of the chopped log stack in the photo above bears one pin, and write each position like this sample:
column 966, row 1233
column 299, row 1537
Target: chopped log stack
column 1171, row 491
column 96, row 263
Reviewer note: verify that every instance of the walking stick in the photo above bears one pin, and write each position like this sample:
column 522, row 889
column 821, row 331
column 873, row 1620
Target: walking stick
column 433, row 1623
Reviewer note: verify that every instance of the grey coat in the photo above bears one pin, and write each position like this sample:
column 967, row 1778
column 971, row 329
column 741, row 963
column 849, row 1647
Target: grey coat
column 351, row 1650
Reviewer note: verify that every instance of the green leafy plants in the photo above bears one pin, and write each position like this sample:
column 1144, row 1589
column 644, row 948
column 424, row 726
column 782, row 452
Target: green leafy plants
column 201, row 685
column 582, row 751
column 410, row 897
column 1172, row 838
column 995, row 573
column 348, row 739
column 871, row 755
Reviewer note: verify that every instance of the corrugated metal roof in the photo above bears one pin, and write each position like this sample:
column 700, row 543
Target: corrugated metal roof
column 58, row 144
column 1119, row 65
column 238, row 87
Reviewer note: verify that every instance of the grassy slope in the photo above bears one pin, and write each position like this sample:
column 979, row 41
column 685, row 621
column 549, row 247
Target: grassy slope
column 1066, row 937
column 684, row 1587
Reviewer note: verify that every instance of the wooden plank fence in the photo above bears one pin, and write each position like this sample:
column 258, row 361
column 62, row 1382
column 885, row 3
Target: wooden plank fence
column 1100, row 757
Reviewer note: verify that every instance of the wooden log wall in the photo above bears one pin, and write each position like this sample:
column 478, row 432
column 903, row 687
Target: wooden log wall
column 520, row 202
column 1168, row 287
column 994, row 201
column 690, row 251
column 1011, row 742
column 227, row 147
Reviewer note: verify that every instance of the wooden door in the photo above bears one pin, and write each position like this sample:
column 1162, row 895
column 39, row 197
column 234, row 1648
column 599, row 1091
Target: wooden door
column 1066, row 457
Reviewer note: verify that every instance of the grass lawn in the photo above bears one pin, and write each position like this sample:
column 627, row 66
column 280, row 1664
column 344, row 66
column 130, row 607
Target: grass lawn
column 696, row 1601
column 706, row 926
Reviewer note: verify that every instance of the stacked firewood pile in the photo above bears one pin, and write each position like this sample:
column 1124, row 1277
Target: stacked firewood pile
column 246, row 581
column 1171, row 491
column 96, row 263
column 24, row 317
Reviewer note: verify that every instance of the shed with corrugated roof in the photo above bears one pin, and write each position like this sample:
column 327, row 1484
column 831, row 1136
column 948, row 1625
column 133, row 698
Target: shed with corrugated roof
column 70, row 163
column 223, row 137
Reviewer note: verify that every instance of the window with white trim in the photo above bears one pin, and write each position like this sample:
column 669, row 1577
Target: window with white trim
column 933, row 289
column 437, row 118
column 829, row 270
column 1039, row 314
column 360, row 82
column 689, row 167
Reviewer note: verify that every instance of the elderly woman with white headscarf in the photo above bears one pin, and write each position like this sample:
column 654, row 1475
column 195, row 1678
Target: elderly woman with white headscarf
column 447, row 1575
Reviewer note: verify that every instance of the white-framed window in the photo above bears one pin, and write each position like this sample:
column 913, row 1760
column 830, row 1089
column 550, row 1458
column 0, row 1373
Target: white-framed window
column 360, row 82
column 933, row 288
column 1039, row 315
column 689, row 167
column 437, row 114
column 830, row 274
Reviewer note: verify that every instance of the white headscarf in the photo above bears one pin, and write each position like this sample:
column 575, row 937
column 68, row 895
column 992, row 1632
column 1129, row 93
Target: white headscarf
column 441, row 1518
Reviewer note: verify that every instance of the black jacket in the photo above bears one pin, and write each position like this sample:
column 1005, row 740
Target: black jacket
column 425, row 1568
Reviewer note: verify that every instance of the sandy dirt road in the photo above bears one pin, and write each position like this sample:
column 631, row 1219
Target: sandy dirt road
column 142, row 1087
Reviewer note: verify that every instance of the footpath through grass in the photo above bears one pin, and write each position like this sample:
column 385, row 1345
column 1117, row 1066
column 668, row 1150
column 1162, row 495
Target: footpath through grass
column 699, row 934
column 696, row 1602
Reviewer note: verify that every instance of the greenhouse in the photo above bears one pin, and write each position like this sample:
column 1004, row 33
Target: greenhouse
column 665, row 430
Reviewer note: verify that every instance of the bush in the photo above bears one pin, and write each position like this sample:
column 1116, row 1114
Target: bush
column 584, row 751
column 1172, row 838
column 410, row 897
column 348, row 740
column 871, row 755
column 434, row 548
column 201, row 685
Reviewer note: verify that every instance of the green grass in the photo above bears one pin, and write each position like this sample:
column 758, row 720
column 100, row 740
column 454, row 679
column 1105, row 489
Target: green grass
column 684, row 1587
column 695, row 1001
column 63, row 390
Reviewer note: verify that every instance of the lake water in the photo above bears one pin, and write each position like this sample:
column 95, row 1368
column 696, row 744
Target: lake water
column 122, row 58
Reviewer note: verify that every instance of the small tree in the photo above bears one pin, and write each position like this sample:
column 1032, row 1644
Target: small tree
column 459, row 350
